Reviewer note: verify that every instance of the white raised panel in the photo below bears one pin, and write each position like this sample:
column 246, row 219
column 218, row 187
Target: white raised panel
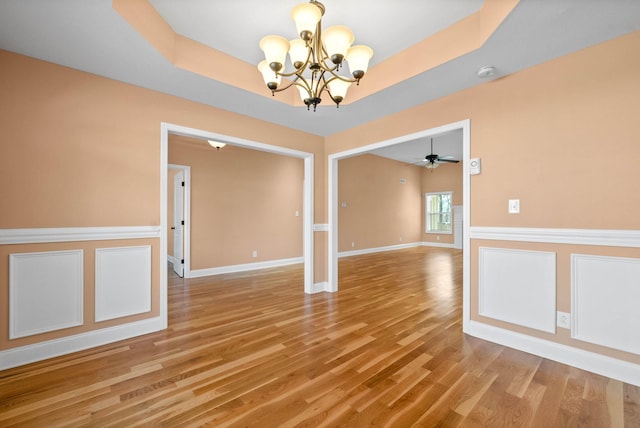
column 45, row 292
column 518, row 287
column 123, row 282
column 606, row 301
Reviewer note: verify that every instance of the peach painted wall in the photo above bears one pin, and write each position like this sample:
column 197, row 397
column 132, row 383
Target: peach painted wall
column 241, row 201
column 445, row 178
column 561, row 136
column 79, row 150
column 73, row 133
column 381, row 211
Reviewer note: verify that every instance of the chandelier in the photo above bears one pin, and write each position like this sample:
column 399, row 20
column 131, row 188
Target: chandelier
column 317, row 57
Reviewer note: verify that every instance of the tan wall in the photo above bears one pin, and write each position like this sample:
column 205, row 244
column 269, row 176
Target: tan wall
column 79, row 147
column 241, row 201
column 545, row 135
column 380, row 210
column 562, row 137
column 80, row 150
column 445, row 178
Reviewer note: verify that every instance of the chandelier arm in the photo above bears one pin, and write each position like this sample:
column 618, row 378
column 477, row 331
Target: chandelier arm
column 291, row 83
column 325, row 84
column 339, row 77
column 296, row 72
column 293, row 73
column 317, row 50
column 325, row 58
column 305, row 86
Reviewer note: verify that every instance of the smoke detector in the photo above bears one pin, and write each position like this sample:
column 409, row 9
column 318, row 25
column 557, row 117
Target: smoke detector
column 486, row 71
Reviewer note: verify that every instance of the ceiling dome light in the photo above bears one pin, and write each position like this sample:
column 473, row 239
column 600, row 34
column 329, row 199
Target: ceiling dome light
column 216, row 144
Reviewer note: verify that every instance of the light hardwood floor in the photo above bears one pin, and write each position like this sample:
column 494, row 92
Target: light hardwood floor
column 251, row 349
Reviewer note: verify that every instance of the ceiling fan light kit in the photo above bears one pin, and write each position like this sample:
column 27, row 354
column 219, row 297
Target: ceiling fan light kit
column 317, row 58
column 432, row 161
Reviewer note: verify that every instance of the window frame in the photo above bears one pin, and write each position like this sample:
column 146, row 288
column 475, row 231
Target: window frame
column 427, row 213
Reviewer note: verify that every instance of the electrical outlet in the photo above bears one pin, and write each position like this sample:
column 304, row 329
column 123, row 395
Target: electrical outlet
column 514, row 206
column 563, row 319
column 353, row 244
column 255, row 254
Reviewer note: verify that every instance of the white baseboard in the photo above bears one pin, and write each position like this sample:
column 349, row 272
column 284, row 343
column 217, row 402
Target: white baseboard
column 606, row 366
column 436, row 244
column 378, row 249
column 53, row 348
column 244, row 267
column 320, row 287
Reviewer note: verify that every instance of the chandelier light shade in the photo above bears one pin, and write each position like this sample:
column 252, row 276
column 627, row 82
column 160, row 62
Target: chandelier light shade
column 337, row 40
column 306, row 16
column 358, row 59
column 318, row 58
column 275, row 50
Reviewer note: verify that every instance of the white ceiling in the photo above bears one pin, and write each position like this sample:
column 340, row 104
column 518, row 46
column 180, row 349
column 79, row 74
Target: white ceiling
column 219, row 25
column 414, row 151
column 89, row 35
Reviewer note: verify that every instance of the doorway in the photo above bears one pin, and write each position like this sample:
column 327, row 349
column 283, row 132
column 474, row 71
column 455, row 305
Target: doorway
column 307, row 199
column 466, row 206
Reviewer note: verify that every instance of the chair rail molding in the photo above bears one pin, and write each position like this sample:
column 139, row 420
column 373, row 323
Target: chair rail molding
column 69, row 234
column 598, row 237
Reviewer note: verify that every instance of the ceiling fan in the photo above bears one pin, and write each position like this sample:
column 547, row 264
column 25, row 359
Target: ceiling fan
column 432, row 161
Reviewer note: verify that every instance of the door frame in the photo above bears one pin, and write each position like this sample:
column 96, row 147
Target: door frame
column 465, row 126
column 186, row 212
column 307, row 197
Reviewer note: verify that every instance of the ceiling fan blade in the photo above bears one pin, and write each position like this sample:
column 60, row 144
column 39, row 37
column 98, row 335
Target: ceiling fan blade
column 448, row 160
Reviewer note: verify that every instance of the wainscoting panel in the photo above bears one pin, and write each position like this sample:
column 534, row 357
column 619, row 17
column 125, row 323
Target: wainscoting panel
column 123, row 282
column 45, row 292
column 518, row 287
column 606, row 301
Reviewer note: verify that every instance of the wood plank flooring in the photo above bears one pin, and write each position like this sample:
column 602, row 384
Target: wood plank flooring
column 251, row 350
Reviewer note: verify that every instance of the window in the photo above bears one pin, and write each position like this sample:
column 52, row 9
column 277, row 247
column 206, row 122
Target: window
column 438, row 212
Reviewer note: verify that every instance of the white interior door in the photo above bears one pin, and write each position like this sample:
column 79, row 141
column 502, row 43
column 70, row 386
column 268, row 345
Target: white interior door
column 178, row 224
